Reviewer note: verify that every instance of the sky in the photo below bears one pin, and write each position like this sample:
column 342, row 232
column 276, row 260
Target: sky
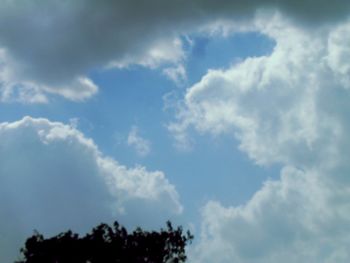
column 230, row 118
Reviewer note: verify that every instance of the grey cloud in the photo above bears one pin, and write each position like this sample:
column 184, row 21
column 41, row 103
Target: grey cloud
column 52, row 43
column 56, row 40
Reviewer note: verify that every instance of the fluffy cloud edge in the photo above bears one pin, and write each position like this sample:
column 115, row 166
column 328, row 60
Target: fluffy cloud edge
column 52, row 176
column 286, row 108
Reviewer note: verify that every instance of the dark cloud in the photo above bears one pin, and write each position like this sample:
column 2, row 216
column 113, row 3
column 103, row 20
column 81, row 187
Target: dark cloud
column 55, row 42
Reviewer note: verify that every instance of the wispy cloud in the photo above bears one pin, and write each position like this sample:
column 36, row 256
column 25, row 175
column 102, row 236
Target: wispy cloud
column 140, row 145
column 177, row 74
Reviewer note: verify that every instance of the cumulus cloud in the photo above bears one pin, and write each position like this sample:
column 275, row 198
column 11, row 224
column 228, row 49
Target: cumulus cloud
column 141, row 145
column 271, row 102
column 288, row 108
column 300, row 218
column 50, row 47
column 53, row 178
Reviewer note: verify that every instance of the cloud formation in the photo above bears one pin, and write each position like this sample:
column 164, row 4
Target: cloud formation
column 303, row 217
column 271, row 102
column 50, row 47
column 288, row 108
column 53, row 178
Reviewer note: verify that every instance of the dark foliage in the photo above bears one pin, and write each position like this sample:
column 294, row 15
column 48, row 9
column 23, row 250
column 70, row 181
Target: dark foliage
column 107, row 244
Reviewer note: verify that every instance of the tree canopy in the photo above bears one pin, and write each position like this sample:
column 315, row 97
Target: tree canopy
column 107, row 244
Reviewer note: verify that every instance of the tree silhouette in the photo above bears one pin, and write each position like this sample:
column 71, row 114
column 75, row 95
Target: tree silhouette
column 106, row 244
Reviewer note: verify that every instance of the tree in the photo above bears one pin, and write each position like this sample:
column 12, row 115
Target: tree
column 107, row 244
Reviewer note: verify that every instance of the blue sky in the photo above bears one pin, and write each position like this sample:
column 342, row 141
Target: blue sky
column 229, row 119
column 136, row 97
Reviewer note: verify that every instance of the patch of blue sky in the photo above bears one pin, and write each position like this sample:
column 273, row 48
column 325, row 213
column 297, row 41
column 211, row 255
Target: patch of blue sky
column 213, row 170
column 220, row 52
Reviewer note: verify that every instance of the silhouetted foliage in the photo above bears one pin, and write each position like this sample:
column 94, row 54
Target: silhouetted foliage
column 107, row 244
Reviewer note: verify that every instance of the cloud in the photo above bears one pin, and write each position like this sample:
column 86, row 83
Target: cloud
column 49, row 48
column 141, row 145
column 15, row 87
column 270, row 103
column 176, row 74
column 300, row 218
column 53, row 178
column 288, row 108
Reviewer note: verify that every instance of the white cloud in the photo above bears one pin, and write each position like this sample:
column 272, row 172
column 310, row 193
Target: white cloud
column 141, row 145
column 165, row 51
column 50, row 47
column 289, row 107
column 53, row 178
column 299, row 218
column 339, row 52
column 271, row 102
